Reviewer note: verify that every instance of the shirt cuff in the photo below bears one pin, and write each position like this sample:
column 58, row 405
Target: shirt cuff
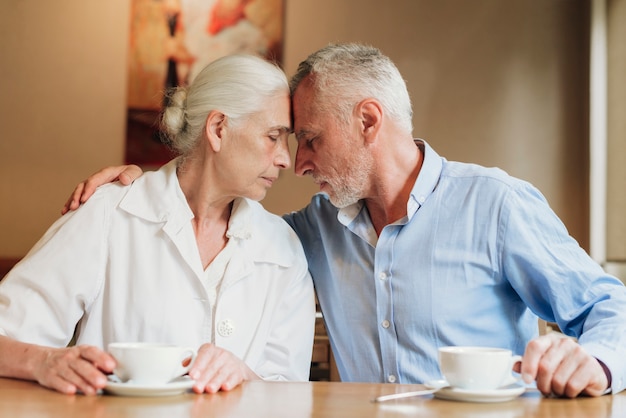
column 609, row 379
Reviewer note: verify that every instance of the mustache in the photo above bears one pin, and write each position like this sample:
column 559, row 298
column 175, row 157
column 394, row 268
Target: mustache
column 318, row 179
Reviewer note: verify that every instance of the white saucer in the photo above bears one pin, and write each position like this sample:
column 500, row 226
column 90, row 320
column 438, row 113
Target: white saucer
column 175, row 387
column 503, row 394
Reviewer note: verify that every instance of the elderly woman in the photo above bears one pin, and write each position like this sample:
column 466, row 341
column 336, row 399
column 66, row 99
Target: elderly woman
column 186, row 255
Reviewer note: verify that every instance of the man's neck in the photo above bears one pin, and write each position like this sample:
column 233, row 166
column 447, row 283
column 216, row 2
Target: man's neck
column 388, row 202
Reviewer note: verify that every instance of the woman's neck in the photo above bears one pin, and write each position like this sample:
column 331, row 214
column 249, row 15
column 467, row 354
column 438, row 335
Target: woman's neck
column 210, row 208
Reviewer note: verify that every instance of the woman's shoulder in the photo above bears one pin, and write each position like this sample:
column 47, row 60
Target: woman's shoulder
column 262, row 218
column 271, row 237
column 106, row 196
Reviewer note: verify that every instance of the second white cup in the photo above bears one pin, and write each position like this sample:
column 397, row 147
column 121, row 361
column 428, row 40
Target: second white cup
column 150, row 363
column 477, row 368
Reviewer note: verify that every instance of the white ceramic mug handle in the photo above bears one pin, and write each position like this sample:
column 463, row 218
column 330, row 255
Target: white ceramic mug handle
column 513, row 379
column 186, row 353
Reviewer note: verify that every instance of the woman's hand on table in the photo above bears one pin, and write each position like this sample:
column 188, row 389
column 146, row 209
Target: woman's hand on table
column 217, row 369
column 126, row 174
column 70, row 370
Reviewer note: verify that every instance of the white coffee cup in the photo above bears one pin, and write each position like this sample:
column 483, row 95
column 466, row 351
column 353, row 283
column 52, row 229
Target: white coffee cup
column 477, row 368
column 150, row 363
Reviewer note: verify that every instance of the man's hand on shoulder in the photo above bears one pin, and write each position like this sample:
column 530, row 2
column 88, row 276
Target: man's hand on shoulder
column 125, row 174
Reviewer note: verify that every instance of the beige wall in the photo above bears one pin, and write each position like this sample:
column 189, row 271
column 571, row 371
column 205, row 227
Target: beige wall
column 616, row 167
column 495, row 82
column 62, row 75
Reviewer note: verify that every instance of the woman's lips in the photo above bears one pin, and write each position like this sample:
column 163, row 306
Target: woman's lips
column 269, row 180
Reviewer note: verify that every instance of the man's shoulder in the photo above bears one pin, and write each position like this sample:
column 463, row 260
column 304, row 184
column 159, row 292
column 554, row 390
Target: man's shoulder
column 462, row 171
column 319, row 206
column 314, row 216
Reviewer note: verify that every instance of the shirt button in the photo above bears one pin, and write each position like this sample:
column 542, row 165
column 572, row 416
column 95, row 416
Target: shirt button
column 391, row 379
column 225, row 328
column 382, row 275
column 385, row 324
column 421, row 199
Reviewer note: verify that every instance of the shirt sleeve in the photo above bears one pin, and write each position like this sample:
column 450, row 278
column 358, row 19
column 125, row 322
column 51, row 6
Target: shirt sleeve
column 306, row 223
column 290, row 345
column 558, row 280
column 47, row 293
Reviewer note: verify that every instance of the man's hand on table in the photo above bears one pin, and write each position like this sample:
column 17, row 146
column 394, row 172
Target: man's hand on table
column 561, row 367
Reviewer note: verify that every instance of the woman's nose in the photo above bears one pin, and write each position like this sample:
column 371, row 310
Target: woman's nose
column 283, row 158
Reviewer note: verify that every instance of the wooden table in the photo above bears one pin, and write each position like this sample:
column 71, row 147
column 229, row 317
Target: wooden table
column 293, row 400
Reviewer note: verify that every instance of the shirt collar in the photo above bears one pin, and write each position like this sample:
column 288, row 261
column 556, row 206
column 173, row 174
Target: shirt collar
column 239, row 225
column 424, row 186
column 427, row 179
column 157, row 197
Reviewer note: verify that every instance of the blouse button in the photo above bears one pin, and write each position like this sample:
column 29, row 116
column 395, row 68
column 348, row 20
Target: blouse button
column 225, row 328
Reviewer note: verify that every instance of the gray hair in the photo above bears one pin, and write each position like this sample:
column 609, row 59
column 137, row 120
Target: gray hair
column 236, row 85
column 344, row 74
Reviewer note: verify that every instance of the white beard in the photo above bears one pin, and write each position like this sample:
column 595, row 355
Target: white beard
column 354, row 184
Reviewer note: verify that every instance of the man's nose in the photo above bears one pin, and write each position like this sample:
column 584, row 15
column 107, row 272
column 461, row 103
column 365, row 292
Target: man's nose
column 302, row 165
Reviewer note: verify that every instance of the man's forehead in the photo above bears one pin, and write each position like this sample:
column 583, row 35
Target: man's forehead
column 302, row 97
column 304, row 115
column 306, row 120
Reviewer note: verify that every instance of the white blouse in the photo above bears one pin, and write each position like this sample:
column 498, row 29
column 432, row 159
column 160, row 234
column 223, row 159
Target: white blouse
column 126, row 267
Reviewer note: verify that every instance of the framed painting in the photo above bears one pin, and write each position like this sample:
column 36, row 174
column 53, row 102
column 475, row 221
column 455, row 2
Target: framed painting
column 172, row 40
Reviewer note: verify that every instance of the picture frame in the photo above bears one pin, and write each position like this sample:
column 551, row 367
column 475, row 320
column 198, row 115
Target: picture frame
column 171, row 41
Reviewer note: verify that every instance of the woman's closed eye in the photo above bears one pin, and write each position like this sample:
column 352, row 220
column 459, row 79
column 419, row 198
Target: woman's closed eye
column 278, row 134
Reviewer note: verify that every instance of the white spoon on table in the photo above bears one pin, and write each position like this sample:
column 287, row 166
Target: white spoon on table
column 432, row 388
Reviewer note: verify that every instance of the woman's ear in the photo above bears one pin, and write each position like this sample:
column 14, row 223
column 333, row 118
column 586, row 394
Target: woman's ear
column 215, row 129
column 370, row 114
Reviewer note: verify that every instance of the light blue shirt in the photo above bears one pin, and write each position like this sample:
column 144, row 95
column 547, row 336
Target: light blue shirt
column 478, row 257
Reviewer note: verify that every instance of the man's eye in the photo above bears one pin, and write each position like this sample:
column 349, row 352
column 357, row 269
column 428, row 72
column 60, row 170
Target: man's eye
column 306, row 141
